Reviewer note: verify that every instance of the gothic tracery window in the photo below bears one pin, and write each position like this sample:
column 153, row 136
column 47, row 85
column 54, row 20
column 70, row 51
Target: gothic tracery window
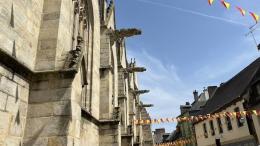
column 82, row 40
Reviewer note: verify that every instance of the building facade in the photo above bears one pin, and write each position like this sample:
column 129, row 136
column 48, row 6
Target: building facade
column 65, row 78
column 158, row 135
column 185, row 129
column 241, row 93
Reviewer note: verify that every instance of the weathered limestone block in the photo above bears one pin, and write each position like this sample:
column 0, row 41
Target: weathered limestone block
column 74, row 128
column 60, row 108
column 106, row 102
column 5, row 72
column 3, row 101
column 17, row 126
column 110, row 135
column 23, row 107
column 46, row 52
column 23, row 93
column 75, row 110
column 89, row 133
column 5, row 7
column 8, row 86
column 12, row 141
column 18, row 26
column 105, row 51
column 35, row 141
column 22, row 82
column 52, row 83
column 46, row 126
column 50, row 141
column 12, row 105
column 5, row 42
column 5, row 126
column 50, row 95
column 57, row 141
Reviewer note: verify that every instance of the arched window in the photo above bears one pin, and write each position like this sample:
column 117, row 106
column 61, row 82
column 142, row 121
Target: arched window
column 83, row 40
column 83, row 72
column 84, row 98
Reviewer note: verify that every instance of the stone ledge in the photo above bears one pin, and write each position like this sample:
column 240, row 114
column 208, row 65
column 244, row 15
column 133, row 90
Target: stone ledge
column 127, row 135
column 112, row 122
column 85, row 114
column 20, row 69
column 104, row 67
column 122, row 97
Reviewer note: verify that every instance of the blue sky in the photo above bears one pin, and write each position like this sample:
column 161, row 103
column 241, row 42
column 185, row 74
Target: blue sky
column 186, row 45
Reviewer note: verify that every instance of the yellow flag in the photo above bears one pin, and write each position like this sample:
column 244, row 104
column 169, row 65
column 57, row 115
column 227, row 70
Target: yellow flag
column 210, row 2
column 254, row 111
column 242, row 11
column 255, row 16
column 225, row 4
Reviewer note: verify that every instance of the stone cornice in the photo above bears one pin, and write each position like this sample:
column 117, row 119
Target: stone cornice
column 19, row 68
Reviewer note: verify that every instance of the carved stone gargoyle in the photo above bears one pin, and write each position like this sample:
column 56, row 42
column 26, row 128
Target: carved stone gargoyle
column 119, row 35
column 75, row 54
column 141, row 91
column 146, row 105
column 116, row 113
column 135, row 69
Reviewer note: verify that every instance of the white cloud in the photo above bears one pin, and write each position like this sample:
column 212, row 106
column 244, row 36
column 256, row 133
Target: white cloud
column 167, row 90
column 217, row 70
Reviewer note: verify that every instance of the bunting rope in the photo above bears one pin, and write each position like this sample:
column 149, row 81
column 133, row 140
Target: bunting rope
column 178, row 142
column 243, row 12
column 194, row 12
column 196, row 118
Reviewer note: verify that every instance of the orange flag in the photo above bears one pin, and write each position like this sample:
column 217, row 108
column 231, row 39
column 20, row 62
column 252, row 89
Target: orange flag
column 225, row 4
column 255, row 16
column 242, row 11
column 255, row 112
column 210, row 2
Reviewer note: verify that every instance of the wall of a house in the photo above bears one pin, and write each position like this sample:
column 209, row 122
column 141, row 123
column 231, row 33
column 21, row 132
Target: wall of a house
column 235, row 135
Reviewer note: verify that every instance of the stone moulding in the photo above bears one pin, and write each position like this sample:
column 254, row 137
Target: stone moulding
column 85, row 114
column 19, row 68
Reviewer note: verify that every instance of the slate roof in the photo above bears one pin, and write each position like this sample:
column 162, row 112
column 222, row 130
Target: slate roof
column 175, row 135
column 232, row 89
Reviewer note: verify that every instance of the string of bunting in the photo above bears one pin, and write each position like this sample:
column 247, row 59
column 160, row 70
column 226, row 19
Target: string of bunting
column 178, row 142
column 243, row 12
column 196, row 118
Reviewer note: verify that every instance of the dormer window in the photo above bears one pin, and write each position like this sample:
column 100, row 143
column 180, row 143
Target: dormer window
column 255, row 92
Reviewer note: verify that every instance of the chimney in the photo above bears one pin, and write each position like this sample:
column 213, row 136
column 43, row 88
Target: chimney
column 196, row 95
column 258, row 47
column 185, row 108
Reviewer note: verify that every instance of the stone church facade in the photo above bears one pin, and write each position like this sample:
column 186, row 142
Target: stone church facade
column 64, row 76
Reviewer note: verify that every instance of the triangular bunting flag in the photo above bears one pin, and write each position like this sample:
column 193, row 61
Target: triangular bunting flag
column 210, row 2
column 255, row 112
column 255, row 16
column 225, row 4
column 242, row 11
